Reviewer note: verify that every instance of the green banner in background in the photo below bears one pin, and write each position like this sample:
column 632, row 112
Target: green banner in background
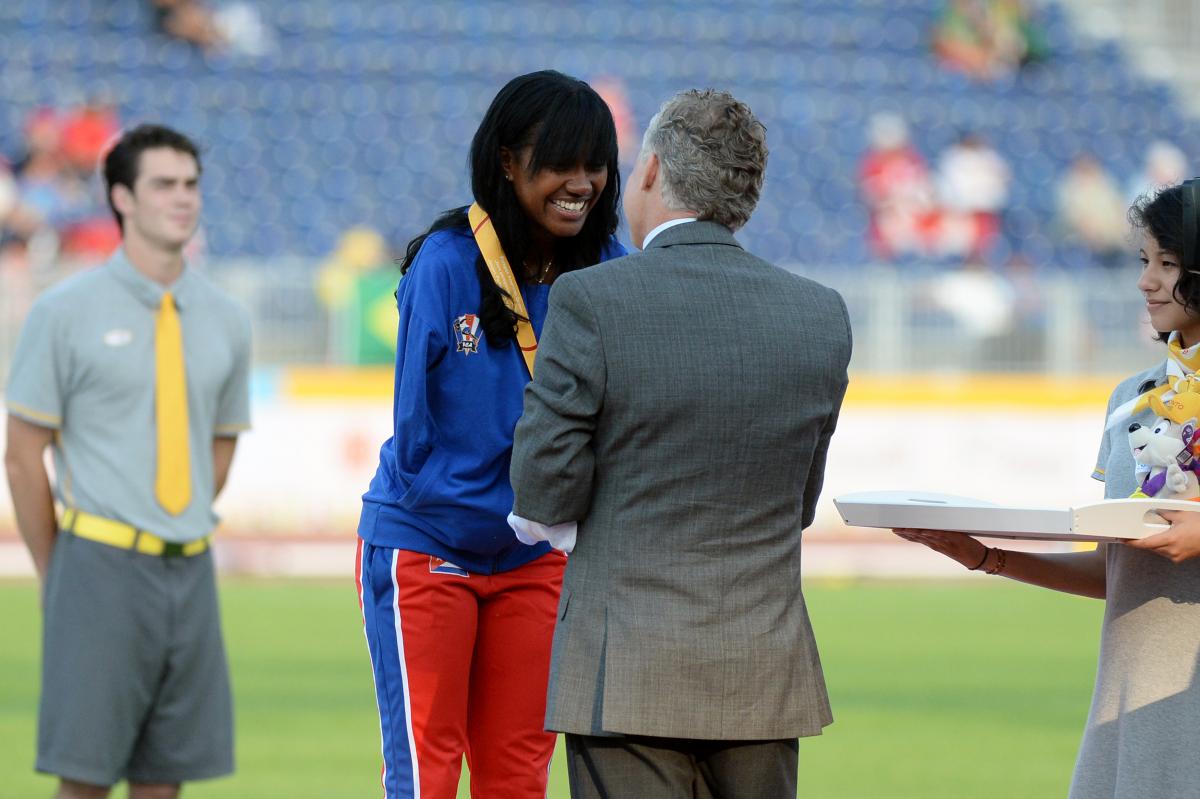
column 369, row 321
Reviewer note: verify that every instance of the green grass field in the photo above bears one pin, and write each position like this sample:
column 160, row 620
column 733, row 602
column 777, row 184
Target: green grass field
column 939, row 690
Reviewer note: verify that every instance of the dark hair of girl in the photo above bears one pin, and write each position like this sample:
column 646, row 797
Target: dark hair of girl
column 1161, row 215
column 564, row 123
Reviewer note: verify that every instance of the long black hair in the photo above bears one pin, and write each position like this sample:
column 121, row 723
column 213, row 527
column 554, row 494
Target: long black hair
column 564, row 122
column 1161, row 215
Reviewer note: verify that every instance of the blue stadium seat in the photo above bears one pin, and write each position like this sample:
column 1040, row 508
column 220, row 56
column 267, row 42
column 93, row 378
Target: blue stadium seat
column 125, row 16
column 33, row 14
column 174, row 56
column 69, row 15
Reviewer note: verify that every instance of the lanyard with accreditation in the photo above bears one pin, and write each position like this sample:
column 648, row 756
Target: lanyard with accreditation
column 497, row 263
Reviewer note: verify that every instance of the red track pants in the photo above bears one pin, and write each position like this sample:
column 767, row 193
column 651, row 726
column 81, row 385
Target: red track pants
column 461, row 663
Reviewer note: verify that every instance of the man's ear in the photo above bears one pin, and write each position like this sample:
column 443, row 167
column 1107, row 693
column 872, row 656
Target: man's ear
column 650, row 176
column 122, row 199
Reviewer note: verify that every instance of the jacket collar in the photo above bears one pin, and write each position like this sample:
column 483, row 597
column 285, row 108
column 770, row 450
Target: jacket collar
column 698, row 232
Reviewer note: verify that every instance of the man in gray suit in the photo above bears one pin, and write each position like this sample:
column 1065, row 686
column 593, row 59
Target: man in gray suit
column 681, row 412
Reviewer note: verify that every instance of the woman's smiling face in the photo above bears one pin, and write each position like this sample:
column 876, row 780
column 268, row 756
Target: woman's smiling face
column 555, row 199
column 1160, row 272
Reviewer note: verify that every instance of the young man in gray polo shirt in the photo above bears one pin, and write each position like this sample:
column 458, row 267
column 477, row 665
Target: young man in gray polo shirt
column 136, row 376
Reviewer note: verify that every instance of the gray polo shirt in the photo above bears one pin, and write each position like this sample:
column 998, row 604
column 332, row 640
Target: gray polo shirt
column 84, row 366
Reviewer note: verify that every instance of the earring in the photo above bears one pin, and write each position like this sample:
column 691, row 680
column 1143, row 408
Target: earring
column 507, row 177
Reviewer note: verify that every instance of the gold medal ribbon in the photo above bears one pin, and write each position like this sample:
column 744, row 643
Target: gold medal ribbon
column 502, row 273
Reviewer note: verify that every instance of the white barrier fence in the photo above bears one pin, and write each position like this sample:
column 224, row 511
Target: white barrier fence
column 292, row 500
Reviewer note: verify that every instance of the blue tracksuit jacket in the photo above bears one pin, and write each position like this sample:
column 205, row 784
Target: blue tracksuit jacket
column 442, row 485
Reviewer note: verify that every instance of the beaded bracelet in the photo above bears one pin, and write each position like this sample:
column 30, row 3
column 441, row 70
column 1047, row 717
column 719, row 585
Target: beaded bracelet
column 999, row 567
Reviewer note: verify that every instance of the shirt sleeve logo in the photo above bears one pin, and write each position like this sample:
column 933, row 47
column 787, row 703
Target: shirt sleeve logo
column 466, row 331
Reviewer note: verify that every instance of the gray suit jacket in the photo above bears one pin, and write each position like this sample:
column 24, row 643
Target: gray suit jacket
column 681, row 411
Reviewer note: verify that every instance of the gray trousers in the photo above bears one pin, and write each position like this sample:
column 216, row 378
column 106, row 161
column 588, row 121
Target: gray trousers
column 134, row 680
column 642, row 767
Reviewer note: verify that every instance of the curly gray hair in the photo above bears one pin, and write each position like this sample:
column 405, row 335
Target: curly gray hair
column 713, row 153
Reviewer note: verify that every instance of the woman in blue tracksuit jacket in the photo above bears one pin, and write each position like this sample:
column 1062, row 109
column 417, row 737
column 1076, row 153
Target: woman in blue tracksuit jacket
column 458, row 614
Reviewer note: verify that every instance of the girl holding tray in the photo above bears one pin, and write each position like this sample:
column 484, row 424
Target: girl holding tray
column 459, row 615
column 1144, row 724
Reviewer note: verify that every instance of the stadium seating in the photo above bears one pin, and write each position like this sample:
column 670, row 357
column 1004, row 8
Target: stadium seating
column 364, row 112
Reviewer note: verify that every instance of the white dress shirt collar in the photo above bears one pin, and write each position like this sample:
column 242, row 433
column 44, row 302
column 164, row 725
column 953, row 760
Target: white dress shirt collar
column 670, row 223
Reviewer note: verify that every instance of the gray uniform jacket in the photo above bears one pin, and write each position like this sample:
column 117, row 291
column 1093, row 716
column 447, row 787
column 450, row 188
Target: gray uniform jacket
column 681, row 412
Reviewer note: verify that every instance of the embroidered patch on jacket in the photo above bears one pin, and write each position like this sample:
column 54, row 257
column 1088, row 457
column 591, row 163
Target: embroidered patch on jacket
column 439, row 566
column 466, row 330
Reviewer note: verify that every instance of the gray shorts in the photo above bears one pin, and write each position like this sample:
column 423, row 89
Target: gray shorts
column 134, row 680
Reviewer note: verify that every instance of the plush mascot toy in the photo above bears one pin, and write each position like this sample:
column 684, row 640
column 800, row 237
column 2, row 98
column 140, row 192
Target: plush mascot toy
column 1168, row 452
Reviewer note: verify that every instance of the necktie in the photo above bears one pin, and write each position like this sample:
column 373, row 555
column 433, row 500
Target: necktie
column 173, row 482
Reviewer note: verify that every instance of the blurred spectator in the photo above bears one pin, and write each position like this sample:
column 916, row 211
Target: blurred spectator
column 987, row 39
column 998, row 314
column 972, row 189
column 189, row 20
column 357, row 284
column 1091, row 211
column 86, row 132
column 43, row 132
column 61, row 191
column 895, row 185
column 612, row 90
column 17, row 219
column 1165, row 165
column 236, row 27
column 48, row 187
column 242, row 29
column 358, row 250
column 981, row 302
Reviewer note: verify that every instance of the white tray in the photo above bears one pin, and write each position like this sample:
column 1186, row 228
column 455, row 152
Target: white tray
column 1112, row 519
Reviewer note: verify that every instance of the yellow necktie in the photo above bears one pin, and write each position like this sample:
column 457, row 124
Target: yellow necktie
column 173, row 482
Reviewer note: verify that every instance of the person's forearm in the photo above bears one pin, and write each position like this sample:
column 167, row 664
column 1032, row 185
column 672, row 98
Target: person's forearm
column 223, row 449
column 33, row 505
column 1080, row 573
